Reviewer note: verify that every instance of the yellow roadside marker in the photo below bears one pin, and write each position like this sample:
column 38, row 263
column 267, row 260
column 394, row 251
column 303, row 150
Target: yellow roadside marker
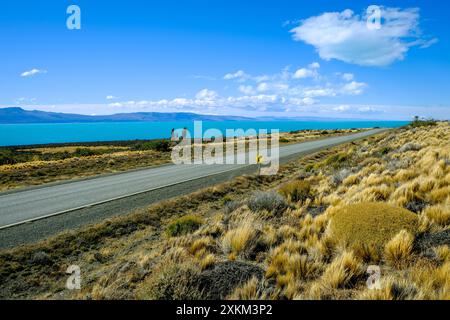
column 259, row 159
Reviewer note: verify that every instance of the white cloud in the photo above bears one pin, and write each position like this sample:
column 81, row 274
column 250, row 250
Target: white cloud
column 24, row 100
column 110, row 97
column 248, row 90
column 341, row 108
column 319, row 92
column 348, row 76
column 239, row 75
column 303, row 73
column 345, row 36
column 354, row 88
column 279, row 91
column 263, row 87
column 368, row 109
column 115, row 105
column 32, row 72
column 206, row 94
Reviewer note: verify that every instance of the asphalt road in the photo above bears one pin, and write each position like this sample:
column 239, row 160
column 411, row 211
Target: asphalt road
column 67, row 198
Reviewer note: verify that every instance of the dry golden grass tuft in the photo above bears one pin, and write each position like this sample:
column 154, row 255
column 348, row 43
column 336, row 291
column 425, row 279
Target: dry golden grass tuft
column 295, row 191
column 392, row 288
column 442, row 253
column 343, row 272
column 439, row 214
column 398, row 251
column 235, row 241
column 251, row 290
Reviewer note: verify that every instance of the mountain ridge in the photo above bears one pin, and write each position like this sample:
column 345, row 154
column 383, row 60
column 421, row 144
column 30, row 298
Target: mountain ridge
column 17, row 115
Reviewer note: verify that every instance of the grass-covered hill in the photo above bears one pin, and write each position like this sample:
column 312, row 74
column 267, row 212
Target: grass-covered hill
column 310, row 232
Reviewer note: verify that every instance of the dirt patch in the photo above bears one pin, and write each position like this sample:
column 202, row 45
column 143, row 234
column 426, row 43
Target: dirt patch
column 425, row 243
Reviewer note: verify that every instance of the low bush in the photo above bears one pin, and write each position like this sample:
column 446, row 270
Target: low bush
column 337, row 160
column 410, row 146
column 417, row 123
column 370, row 224
column 7, row 157
column 84, row 152
column 268, row 201
column 183, row 225
column 158, row 145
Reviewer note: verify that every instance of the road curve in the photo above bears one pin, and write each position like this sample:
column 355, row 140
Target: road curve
column 37, row 203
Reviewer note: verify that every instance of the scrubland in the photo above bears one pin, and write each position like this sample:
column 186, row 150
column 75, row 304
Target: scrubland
column 310, row 232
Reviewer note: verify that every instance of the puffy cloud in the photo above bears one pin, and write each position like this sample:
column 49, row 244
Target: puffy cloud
column 111, row 97
column 346, row 36
column 354, row 88
column 303, row 73
column 239, row 75
column 279, row 91
column 206, row 94
column 32, row 72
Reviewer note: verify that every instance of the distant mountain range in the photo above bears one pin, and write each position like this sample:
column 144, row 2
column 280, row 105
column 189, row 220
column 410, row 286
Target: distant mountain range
column 18, row 115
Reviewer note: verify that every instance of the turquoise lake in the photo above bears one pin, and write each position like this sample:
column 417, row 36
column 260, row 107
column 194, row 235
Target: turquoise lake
column 28, row 134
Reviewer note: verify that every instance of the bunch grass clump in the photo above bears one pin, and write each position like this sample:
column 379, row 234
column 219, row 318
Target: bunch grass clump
column 398, row 250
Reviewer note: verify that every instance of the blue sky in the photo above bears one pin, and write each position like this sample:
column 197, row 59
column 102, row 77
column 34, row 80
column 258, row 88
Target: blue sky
column 284, row 58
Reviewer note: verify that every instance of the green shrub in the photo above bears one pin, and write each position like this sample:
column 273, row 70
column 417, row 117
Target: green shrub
column 296, row 191
column 158, row 145
column 7, row 157
column 384, row 150
column 417, row 123
column 371, row 224
column 337, row 160
column 184, row 225
column 84, row 152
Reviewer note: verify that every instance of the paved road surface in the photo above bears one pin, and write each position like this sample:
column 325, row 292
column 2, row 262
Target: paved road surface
column 37, row 203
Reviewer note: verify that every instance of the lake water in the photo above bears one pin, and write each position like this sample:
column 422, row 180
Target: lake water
column 27, row 134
